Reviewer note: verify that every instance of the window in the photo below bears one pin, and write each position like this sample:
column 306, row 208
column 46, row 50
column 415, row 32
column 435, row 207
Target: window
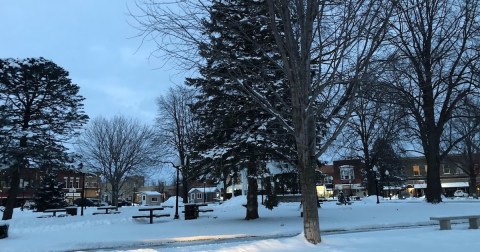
column 71, row 182
column 328, row 179
column 416, row 170
column 143, row 197
column 446, row 169
column 346, row 172
column 77, row 182
column 199, row 195
column 65, row 182
column 154, row 199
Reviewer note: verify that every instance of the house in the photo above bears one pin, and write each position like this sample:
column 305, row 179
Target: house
column 203, row 194
column 151, row 198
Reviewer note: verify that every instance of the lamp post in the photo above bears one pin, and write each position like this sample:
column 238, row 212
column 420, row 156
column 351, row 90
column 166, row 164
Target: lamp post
column 375, row 169
column 176, row 198
column 204, row 194
column 83, row 189
column 388, row 183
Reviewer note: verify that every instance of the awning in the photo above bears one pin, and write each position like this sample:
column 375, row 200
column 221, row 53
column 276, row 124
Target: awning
column 454, row 184
column 419, row 186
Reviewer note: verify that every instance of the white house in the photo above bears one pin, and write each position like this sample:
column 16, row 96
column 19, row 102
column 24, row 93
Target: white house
column 203, row 194
column 151, row 198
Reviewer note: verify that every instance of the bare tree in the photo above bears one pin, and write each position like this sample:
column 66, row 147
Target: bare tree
column 374, row 119
column 177, row 130
column 433, row 50
column 117, row 148
column 325, row 48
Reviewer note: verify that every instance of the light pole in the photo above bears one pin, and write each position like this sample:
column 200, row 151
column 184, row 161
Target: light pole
column 83, row 189
column 204, row 194
column 176, row 198
column 388, row 183
column 375, row 169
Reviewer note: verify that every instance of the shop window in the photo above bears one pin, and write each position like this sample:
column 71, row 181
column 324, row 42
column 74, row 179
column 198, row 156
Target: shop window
column 416, row 170
column 346, row 173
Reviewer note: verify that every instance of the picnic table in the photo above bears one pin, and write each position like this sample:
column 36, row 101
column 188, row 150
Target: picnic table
column 54, row 211
column 107, row 210
column 151, row 214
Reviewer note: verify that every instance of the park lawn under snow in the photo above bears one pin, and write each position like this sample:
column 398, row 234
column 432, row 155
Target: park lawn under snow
column 396, row 225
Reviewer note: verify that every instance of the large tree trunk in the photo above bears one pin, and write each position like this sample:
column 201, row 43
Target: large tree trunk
column 185, row 190
column 432, row 155
column 304, row 121
column 12, row 192
column 309, row 195
column 252, row 199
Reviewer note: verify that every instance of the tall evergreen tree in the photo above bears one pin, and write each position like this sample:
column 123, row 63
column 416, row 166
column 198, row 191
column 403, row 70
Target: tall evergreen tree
column 42, row 110
column 244, row 134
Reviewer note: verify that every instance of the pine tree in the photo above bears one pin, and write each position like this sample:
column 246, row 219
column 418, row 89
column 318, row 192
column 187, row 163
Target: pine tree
column 244, row 134
column 41, row 110
column 49, row 194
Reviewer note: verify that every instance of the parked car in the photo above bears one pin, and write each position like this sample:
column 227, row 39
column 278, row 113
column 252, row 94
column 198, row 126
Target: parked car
column 87, row 202
column 121, row 203
column 460, row 193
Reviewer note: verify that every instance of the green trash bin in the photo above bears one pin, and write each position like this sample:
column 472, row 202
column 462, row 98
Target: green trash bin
column 3, row 231
column 190, row 212
column 72, row 210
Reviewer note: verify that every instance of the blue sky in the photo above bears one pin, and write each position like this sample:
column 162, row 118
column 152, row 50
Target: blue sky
column 93, row 40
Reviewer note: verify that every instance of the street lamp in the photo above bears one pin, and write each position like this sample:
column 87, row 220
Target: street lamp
column 204, row 194
column 375, row 169
column 177, row 166
column 83, row 189
column 388, row 183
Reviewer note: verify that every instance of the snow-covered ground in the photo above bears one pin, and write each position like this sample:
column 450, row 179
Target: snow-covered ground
column 397, row 225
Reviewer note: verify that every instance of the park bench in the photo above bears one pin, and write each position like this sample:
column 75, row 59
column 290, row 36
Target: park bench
column 445, row 222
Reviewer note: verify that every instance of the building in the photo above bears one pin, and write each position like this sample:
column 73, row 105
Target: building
column 203, row 194
column 453, row 175
column 71, row 181
column 151, row 198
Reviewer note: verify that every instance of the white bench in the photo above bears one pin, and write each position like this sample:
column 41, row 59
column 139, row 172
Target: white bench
column 445, row 222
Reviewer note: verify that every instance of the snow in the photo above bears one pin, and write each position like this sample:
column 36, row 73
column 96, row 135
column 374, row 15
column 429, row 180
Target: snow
column 392, row 225
column 150, row 193
column 206, row 189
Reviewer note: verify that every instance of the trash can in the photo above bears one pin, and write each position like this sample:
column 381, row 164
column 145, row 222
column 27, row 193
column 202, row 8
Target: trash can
column 190, row 212
column 3, row 231
column 72, row 210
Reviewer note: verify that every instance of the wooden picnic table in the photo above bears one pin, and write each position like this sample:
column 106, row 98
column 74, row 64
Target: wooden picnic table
column 151, row 214
column 107, row 208
column 54, row 211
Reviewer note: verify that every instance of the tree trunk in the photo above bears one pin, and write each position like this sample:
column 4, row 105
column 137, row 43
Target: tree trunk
column 309, row 196
column 185, row 190
column 304, row 121
column 472, row 175
column 12, row 192
column 252, row 199
column 434, row 186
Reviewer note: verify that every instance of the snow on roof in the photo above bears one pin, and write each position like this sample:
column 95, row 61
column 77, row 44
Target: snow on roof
column 150, row 193
column 207, row 189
